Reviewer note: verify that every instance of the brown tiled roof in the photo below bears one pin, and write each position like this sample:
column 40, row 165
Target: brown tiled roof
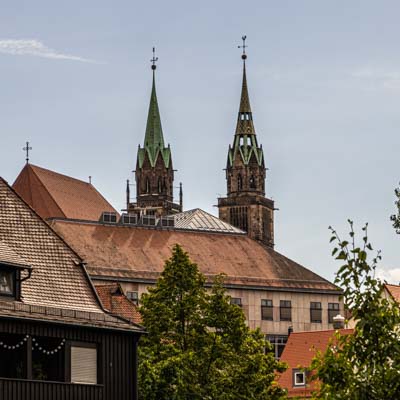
column 52, row 195
column 139, row 253
column 115, row 301
column 394, row 291
column 59, row 288
column 299, row 351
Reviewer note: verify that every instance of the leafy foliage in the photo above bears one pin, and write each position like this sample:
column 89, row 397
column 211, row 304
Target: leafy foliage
column 365, row 364
column 395, row 218
column 198, row 345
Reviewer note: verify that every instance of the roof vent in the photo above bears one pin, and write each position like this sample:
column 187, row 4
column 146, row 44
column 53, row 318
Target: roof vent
column 167, row 222
column 128, row 219
column 148, row 220
column 109, row 217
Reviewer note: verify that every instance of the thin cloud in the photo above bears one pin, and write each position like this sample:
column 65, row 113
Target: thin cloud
column 391, row 275
column 32, row 47
column 379, row 77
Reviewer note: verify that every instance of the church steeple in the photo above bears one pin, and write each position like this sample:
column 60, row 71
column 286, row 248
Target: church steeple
column 154, row 171
column 246, row 206
column 154, row 138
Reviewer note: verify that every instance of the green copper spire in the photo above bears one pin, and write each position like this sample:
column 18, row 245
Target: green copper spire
column 154, row 138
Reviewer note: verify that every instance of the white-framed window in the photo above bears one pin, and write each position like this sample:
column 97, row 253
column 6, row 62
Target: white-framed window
column 299, row 378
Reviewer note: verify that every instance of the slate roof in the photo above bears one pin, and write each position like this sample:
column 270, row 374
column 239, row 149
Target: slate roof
column 52, row 194
column 198, row 219
column 115, row 301
column 298, row 353
column 139, row 253
column 59, row 289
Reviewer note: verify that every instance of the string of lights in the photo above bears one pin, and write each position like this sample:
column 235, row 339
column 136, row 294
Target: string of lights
column 35, row 346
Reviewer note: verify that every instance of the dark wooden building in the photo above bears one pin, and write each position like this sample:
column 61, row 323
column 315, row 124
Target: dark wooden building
column 56, row 339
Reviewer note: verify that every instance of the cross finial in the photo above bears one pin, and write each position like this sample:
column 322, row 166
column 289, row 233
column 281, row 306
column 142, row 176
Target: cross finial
column 154, row 59
column 27, row 148
column 243, row 46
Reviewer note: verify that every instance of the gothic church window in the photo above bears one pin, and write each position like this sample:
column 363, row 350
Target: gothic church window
column 239, row 182
column 147, row 185
column 252, row 182
column 159, row 185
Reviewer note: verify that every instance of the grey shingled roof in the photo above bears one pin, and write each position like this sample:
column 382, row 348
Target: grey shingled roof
column 198, row 219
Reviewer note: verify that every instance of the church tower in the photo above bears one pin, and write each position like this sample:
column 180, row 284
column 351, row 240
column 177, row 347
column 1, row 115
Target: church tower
column 154, row 171
column 246, row 206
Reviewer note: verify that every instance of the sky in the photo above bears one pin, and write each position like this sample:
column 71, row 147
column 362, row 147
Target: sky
column 324, row 84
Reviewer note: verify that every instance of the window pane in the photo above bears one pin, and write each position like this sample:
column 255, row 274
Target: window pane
column 237, row 301
column 12, row 361
column 83, row 364
column 299, row 378
column 6, row 282
column 316, row 315
column 278, row 343
column 48, row 359
column 285, row 310
column 333, row 310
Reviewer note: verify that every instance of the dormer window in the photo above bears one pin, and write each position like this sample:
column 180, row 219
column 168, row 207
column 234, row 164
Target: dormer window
column 7, row 281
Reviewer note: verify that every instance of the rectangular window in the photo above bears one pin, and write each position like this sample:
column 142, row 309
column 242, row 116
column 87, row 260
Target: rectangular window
column 299, row 378
column 267, row 310
column 48, row 359
column 237, row 301
column 84, row 364
column 333, row 310
column 285, row 310
column 13, row 350
column 315, row 312
column 133, row 297
column 278, row 343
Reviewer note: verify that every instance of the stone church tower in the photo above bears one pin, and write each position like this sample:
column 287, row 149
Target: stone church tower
column 154, row 171
column 246, row 206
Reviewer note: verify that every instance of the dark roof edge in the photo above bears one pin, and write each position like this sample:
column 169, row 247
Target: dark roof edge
column 338, row 291
column 50, row 321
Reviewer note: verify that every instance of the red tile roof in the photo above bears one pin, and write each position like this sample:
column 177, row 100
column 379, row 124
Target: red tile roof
column 135, row 252
column 115, row 301
column 52, row 195
column 59, row 288
column 394, row 291
column 299, row 351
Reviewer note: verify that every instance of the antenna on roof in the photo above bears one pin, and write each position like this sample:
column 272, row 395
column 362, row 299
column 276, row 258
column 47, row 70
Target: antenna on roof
column 27, row 148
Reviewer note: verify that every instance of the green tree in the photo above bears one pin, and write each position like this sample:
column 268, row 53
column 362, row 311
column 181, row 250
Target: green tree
column 198, row 345
column 365, row 364
column 395, row 218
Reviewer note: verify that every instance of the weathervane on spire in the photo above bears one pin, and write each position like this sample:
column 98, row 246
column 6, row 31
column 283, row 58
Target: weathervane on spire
column 243, row 46
column 27, row 148
column 154, row 59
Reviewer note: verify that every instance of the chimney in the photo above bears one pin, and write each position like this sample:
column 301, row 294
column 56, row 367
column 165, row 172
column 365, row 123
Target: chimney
column 338, row 322
column 290, row 330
